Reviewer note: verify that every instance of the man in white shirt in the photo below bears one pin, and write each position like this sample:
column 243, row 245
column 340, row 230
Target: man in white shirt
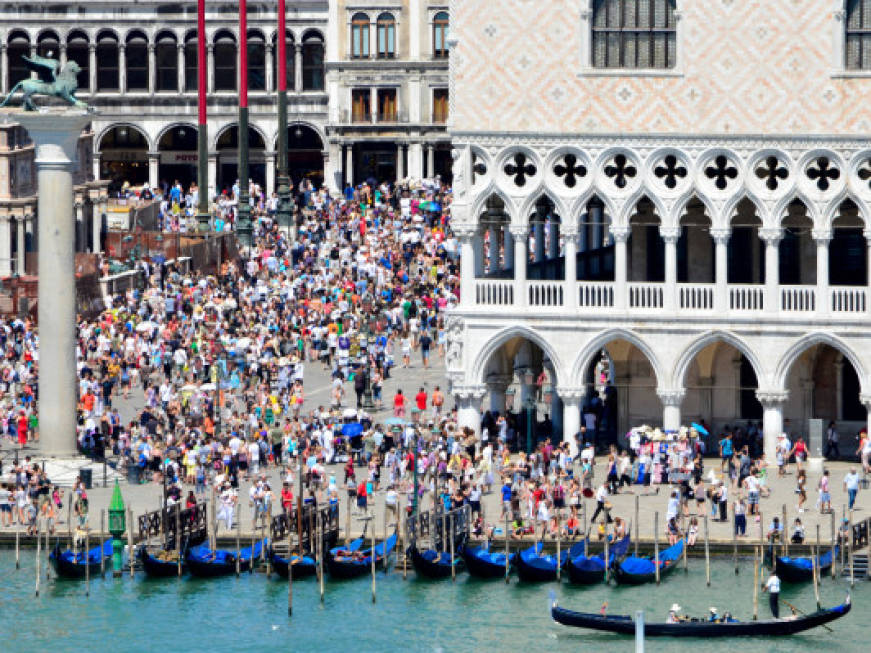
column 851, row 485
column 601, row 499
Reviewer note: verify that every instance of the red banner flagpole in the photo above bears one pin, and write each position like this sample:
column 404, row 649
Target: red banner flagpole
column 282, row 47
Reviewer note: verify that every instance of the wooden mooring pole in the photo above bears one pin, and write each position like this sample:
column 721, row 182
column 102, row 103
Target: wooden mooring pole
column 656, row 544
column 707, row 554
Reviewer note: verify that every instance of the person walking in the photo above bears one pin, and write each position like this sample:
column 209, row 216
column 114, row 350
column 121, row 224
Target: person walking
column 772, row 586
column 851, row 485
column 601, row 504
column 832, row 452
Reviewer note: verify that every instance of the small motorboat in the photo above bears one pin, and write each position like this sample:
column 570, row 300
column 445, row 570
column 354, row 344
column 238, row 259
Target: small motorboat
column 589, row 570
column 73, row 565
column 205, row 563
column 535, row 567
column 728, row 627
column 433, row 564
column 484, row 563
column 351, row 564
column 800, row 570
column 163, row 564
column 633, row 570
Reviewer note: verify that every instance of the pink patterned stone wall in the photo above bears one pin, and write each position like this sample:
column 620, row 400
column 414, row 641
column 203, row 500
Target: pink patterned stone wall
column 762, row 67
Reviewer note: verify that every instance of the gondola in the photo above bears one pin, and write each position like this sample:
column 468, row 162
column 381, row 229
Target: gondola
column 800, row 570
column 302, row 566
column 533, row 567
column 72, row 565
column 433, row 564
column 156, row 567
column 359, row 564
column 701, row 628
column 353, row 545
column 205, row 563
column 589, row 570
column 481, row 562
column 637, row 571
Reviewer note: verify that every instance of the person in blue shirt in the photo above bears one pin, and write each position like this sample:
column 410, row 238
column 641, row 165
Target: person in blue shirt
column 506, row 498
column 725, row 450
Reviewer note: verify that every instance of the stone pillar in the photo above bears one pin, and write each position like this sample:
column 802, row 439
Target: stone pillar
column 20, row 246
column 4, row 69
column 497, row 385
column 62, row 54
column 430, row 161
column 415, row 160
column 468, row 400
column 671, row 401
column 520, row 259
column 823, row 239
column 400, row 160
column 373, row 104
column 670, row 236
column 349, row 164
column 772, row 268
column 92, row 67
column 153, row 169
column 270, row 78
column 5, row 246
column 467, row 266
column 270, row 173
column 553, row 246
column 571, row 398
column 80, row 235
column 122, row 68
column 772, row 420
column 56, row 135
column 297, row 69
column 620, row 236
column 96, row 226
column 213, row 175
column 721, row 270
column 180, row 71
column 152, row 67
column 538, row 237
column 570, row 247
column 210, row 61
column 96, row 164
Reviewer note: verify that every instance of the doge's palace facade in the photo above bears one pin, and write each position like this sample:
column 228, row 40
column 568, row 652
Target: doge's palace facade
column 672, row 191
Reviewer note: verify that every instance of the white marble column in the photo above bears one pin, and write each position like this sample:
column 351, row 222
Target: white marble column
column 20, row 246
column 400, row 160
column 465, row 234
column 4, row 69
column 772, row 420
column 669, row 299
column 721, row 270
column 97, row 225
column 822, row 240
column 620, row 236
column 270, row 76
column 62, row 54
column 297, row 69
column 79, row 206
column 153, row 169
column 468, row 400
column 772, row 268
column 520, row 259
column 92, row 67
column 430, row 161
column 571, row 398
column 56, row 135
column 96, row 164
column 210, row 73
column 180, row 71
column 570, row 247
column 213, row 175
column 5, row 246
column 349, row 164
column 373, row 105
column 122, row 69
column 270, row 173
column 671, row 401
column 415, row 160
column 152, row 67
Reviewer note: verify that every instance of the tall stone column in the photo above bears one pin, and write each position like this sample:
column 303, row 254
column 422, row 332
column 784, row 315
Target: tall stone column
column 154, row 169
column 92, row 67
column 570, row 247
column 468, row 399
column 270, row 173
column 520, row 259
column 56, row 135
column 497, row 384
column 400, row 160
column 822, row 239
column 122, row 69
column 152, row 67
column 180, row 72
column 349, row 164
column 430, row 161
column 5, row 246
column 79, row 206
column 721, row 271
column 465, row 234
column 20, row 246
column 210, row 73
column 297, row 69
column 571, row 398
column 671, row 401
column 772, row 420
column 270, row 78
column 97, row 213
column 670, row 236
column 772, row 268
column 4, row 69
column 620, row 236
column 213, row 175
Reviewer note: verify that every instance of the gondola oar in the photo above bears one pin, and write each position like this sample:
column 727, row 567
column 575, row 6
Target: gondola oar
column 803, row 614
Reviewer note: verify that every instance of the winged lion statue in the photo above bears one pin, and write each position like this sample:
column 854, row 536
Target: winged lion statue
column 63, row 84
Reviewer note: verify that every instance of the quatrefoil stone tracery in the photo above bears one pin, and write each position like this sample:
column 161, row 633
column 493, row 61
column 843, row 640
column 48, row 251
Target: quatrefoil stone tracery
column 479, row 168
column 822, row 171
column 772, row 172
column 670, row 171
column 520, row 169
column 721, row 171
column 864, row 172
column 620, row 171
column 570, row 170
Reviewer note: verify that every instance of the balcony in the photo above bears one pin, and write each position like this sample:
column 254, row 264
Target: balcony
column 651, row 299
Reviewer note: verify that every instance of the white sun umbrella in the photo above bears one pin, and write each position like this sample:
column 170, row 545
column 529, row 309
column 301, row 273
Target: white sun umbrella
column 243, row 343
column 208, row 387
column 190, row 387
column 145, row 326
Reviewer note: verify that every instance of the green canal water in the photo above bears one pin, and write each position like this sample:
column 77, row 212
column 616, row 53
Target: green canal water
column 250, row 613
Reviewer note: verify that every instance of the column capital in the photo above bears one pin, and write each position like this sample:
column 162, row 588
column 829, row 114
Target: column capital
column 473, row 392
column 92, row 47
column 464, row 230
column 822, row 236
column 670, row 235
column 670, row 396
column 569, row 230
column 571, row 395
column 619, row 234
column 721, row 236
column 518, row 232
column 297, row 47
column 865, row 399
column 771, row 236
column 772, row 398
column 498, row 381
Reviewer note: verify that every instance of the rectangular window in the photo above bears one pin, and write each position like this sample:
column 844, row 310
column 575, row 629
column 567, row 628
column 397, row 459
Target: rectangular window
column 360, row 40
column 167, row 67
column 137, row 66
column 191, row 72
column 387, row 105
column 360, row 105
column 386, row 40
column 634, row 34
column 857, row 40
column 107, row 67
column 440, row 105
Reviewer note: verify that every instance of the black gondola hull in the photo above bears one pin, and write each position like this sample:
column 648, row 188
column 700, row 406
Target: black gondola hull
column 345, row 569
column 156, row 568
column 771, row 628
column 584, row 576
column 483, row 568
column 794, row 574
column 67, row 569
column 530, row 574
column 202, row 569
column 302, row 569
column 428, row 568
column 625, row 578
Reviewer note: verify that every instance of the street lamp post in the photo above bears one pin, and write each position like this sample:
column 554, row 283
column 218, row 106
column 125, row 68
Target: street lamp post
column 529, row 405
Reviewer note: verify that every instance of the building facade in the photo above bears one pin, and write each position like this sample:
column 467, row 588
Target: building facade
column 666, row 197
column 139, row 70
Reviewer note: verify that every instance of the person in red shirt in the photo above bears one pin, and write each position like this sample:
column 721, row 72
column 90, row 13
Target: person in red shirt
column 420, row 400
column 399, row 404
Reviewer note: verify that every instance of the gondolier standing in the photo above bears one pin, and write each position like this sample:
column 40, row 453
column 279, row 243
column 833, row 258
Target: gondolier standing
column 772, row 586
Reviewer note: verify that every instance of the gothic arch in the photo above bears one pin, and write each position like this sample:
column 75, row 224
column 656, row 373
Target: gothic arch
column 595, row 345
column 480, row 204
column 686, row 358
column 803, row 344
column 479, row 365
column 531, row 200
